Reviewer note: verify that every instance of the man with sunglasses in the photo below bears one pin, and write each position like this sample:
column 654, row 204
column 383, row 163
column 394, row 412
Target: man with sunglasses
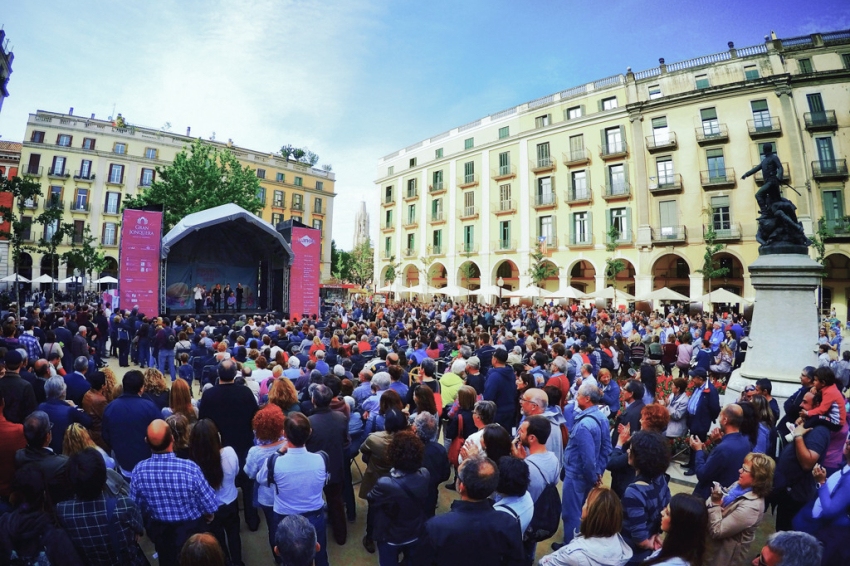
column 789, row 548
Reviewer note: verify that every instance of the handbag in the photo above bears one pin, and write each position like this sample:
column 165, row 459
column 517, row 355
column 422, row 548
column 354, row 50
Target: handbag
column 457, row 442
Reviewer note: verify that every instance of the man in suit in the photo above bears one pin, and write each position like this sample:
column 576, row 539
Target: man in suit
column 52, row 466
column 632, row 394
column 64, row 336
column 703, row 408
column 76, row 381
column 18, row 393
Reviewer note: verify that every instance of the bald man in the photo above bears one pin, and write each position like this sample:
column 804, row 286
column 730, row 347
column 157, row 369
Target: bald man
column 726, row 458
column 175, row 498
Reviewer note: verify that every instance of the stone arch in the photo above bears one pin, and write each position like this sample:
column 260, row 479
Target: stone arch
column 509, row 271
column 437, row 275
column 673, row 271
column 469, row 275
column 552, row 283
column 111, row 269
column 409, row 275
column 25, row 265
column 836, row 289
column 734, row 279
column 625, row 280
column 650, row 265
column 50, row 265
column 582, row 275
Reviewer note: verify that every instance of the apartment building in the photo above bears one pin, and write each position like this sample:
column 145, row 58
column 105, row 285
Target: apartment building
column 657, row 154
column 89, row 167
column 6, row 58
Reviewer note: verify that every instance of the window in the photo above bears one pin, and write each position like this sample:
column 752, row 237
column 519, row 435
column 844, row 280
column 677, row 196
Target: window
column 277, row 199
column 617, row 180
column 320, row 185
column 543, row 157
column 261, row 173
column 298, row 202
column 79, row 228
column 751, row 72
column 277, row 218
column 58, row 167
column 411, row 242
column 411, row 188
column 608, row 103
column 388, row 219
column 437, row 209
column 505, row 235
column 710, row 125
column 469, row 172
column 469, row 203
column 261, row 196
column 26, row 225
column 317, row 224
column 542, row 121
column 581, row 228
column 716, row 165
column 81, row 200
column 826, row 155
column 390, row 169
column 720, row 218
column 85, row 169
column 468, row 143
column 147, row 177
column 438, row 153
column 150, row 153
column 660, row 131
column 64, row 140
column 299, row 182
column 280, row 178
column 88, row 143
column 469, row 238
column 805, row 66
column 669, row 215
column 545, row 194
column 654, row 92
column 54, row 197
column 546, row 230
column 580, row 188
column 620, row 218
column 577, row 147
column 297, row 218
column 317, row 206
column 411, row 214
column 833, row 208
column 50, row 229
column 413, row 162
column 113, row 203
column 37, row 137
column 110, row 233
column 816, row 107
column 388, row 247
column 437, row 241
column 120, row 148
column 504, row 132
column 388, row 194
column 505, row 197
column 845, row 58
column 761, row 115
column 614, row 140
column 702, row 81
column 664, row 168
column 575, row 112
column 437, row 180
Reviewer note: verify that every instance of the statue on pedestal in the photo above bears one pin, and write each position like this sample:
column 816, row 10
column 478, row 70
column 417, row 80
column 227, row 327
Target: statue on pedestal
column 779, row 232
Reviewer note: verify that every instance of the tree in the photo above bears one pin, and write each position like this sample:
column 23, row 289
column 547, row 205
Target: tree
column 202, row 177
column 22, row 190
column 85, row 256
column 468, row 270
column 540, row 269
column 327, row 167
column 613, row 265
column 362, row 263
column 710, row 267
column 340, row 263
column 55, row 231
column 819, row 244
column 392, row 273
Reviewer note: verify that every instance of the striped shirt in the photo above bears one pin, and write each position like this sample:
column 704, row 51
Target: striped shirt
column 643, row 502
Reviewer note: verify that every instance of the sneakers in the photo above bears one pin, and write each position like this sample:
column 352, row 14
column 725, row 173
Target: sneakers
column 690, row 472
column 557, row 545
column 369, row 545
column 451, row 486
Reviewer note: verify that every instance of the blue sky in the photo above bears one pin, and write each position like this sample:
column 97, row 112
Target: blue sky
column 356, row 79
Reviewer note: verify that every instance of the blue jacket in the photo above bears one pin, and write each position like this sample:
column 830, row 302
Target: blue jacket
column 500, row 387
column 62, row 415
column 722, row 464
column 707, row 410
column 611, row 396
column 77, row 386
column 125, row 426
column 589, row 447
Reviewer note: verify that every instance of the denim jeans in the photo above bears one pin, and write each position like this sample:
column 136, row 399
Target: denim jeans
column 388, row 553
column 317, row 519
column 166, row 362
column 573, row 493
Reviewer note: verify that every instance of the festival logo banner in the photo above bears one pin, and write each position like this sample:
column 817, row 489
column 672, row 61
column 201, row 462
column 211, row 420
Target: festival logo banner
column 138, row 279
column 305, row 271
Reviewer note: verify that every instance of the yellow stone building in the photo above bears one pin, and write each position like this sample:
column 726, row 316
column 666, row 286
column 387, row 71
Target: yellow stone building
column 659, row 154
column 89, row 167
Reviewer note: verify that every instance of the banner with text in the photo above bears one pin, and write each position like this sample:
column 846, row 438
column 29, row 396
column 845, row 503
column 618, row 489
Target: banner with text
column 138, row 278
column 305, row 272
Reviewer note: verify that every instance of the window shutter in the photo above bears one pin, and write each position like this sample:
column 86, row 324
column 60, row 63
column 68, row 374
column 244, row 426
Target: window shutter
column 70, row 140
column 604, row 138
column 53, row 166
column 590, row 226
column 122, row 174
column 628, row 235
column 626, row 175
column 582, row 109
column 659, row 122
column 153, row 175
column 109, row 177
column 759, row 105
column 599, row 105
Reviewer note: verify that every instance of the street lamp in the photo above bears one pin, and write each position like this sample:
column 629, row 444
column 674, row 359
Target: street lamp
column 500, row 282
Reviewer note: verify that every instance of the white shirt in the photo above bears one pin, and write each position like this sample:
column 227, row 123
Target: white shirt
column 230, row 464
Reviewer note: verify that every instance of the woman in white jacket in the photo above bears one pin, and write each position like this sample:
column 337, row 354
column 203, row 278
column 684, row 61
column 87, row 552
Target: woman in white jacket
column 677, row 406
column 599, row 542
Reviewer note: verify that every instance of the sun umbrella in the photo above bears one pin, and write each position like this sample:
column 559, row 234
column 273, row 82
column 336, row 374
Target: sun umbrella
column 569, row 293
column 14, row 277
column 71, row 280
column 490, row 290
column 106, row 279
column 44, row 279
column 608, row 294
column 421, row 289
column 452, row 291
column 664, row 294
column 530, row 292
column 721, row 296
column 385, row 289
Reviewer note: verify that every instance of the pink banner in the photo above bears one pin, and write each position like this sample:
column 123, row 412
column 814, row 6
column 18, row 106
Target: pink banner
column 305, row 272
column 138, row 279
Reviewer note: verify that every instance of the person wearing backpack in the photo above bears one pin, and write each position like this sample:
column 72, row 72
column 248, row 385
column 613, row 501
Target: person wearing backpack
column 165, row 341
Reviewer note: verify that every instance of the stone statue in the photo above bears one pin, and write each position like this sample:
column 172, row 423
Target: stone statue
column 778, row 231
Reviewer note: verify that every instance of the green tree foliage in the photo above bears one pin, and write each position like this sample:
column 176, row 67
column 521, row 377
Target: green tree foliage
column 202, row 177
column 819, row 244
column 540, row 269
column 362, row 265
column 340, row 263
column 468, row 270
column 85, row 256
column 710, row 267
column 392, row 271
column 54, row 233
column 21, row 189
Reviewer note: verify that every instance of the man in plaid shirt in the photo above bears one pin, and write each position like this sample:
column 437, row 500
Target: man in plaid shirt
column 175, row 499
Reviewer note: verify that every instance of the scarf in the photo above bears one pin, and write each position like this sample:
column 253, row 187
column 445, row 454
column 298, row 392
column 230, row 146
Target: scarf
column 735, row 493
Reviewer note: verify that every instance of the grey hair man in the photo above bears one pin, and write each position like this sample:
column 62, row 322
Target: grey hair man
column 435, row 458
column 295, row 541
column 51, row 465
column 792, row 548
column 61, row 412
column 536, row 402
column 380, row 382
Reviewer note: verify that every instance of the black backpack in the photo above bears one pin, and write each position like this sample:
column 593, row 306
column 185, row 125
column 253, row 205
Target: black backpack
column 547, row 511
column 171, row 338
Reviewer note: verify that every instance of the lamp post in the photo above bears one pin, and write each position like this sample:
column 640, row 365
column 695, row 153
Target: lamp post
column 500, row 282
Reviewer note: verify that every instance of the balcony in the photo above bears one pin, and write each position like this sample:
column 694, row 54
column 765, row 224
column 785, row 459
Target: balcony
column 545, row 200
column 297, row 207
column 769, row 127
column 437, row 188
column 577, row 196
column 318, row 211
column 409, row 252
column 388, row 201
column 616, row 191
column 467, row 248
column 551, row 242
column 58, row 173
column 624, row 238
column 503, row 246
column 469, row 213
column 669, row 234
column 504, row 207
column 411, row 194
column 438, row 249
column 30, row 203
column 503, row 172
column 724, row 232
column 786, row 174
column 712, row 133
column 666, row 184
column 659, row 142
column 33, row 171
column 28, row 237
column 581, row 240
column 387, row 255
column 616, row 150
column 821, row 121
column 81, row 177
column 437, row 217
column 840, row 227
column 81, row 207
column 468, row 181
column 387, row 227
column 576, row 158
column 112, row 210
column 411, row 223
column 53, row 203
column 109, row 242
column 717, row 178
column 826, row 170
column 115, row 181
column 542, row 165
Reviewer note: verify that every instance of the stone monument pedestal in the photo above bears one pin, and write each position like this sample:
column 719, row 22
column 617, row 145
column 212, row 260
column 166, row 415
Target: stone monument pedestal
column 784, row 330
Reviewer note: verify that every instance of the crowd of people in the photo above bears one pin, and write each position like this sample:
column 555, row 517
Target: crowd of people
column 519, row 411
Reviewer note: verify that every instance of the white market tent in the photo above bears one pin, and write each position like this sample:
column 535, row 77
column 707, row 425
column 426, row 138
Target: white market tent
column 664, row 294
column 721, row 296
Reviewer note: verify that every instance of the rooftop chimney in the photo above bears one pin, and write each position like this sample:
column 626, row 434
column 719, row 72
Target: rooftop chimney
column 188, row 130
column 92, row 115
column 71, row 111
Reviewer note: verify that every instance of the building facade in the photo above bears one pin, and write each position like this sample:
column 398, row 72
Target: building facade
column 89, row 167
column 361, row 226
column 657, row 155
column 10, row 158
column 6, row 58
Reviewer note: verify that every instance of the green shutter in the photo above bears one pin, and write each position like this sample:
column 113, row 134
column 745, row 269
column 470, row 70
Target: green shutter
column 609, row 217
column 623, row 136
column 626, row 176
column 708, row 114
column 758, row 105
column 628, row 235
column 590, row 225
column 709, row 153
column 599, row 105
column 659, row 122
